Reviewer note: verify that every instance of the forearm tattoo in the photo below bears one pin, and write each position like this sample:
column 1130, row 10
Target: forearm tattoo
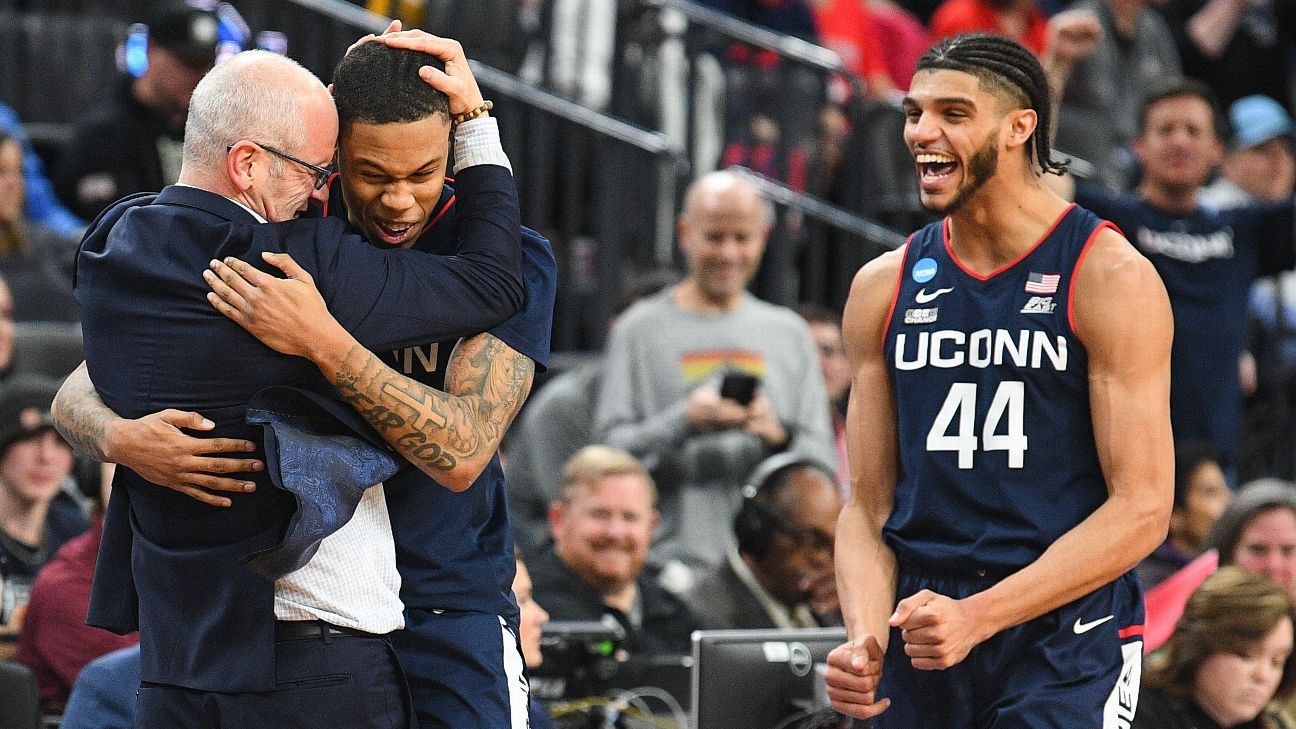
column 486, row 383
column 81, row 417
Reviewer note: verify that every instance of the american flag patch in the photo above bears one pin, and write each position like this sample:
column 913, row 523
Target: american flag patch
column 1042, row 283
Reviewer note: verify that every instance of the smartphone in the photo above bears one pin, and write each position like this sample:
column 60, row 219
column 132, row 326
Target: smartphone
column 739, row 387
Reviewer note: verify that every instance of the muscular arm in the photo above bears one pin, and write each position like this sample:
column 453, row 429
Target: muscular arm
column 154, row 446
column 866, row 567
column 452, row 435
column 449, row 435
column 1129, row 391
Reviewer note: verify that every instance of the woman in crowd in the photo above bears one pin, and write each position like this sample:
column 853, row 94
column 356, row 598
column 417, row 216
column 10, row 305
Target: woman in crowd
column 1229, row 660
column 1200, row 496
column 530, row 625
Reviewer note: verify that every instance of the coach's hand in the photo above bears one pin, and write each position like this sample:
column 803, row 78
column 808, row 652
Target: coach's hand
column 286, row 314
column 157, row 448
column 456, row 82
column 854, row 672
column 938, row 631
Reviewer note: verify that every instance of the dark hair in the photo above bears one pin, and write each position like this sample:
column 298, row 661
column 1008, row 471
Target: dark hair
column 819, row 314
column 1189, row 456
column 1007, row 67
column 1173, row 88
column 378, row 84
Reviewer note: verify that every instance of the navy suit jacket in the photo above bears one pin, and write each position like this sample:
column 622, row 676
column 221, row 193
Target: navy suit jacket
column 169, row 565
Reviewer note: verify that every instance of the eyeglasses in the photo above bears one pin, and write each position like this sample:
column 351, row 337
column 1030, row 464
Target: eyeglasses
column 805, row 537
column 321, row 174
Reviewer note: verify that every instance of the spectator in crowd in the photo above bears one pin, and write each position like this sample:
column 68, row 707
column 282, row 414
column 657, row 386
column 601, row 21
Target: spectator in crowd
column 1201, row 494
column 558, row 421
column 878, row 40
column 1260, row 167
column 56, row 643
column 36, row 516
column 825, row 329
column 1257, row 532
column 1230, row 656
column 780, row 572
column 103, row 696
column 35, row 259
column 1236, row 47
column 531, row 621
column 1130, row 51
column 6, row 331
column 667, row 359
column 43, row 208
column 791, row 17
column 1206, row 257
column 602, row 524
column 1020, row 20
column 132, row 142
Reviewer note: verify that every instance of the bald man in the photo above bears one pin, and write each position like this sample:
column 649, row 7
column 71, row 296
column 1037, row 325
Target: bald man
column 242, row 624
column 664, row 397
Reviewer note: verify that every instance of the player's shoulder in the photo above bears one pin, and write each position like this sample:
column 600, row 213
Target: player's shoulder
column 1115, row 283
column 1110, row 260
column 877, row 279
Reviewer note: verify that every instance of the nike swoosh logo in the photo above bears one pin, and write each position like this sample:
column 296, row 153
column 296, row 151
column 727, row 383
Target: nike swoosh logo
column 1081, row 628
column 922, row 297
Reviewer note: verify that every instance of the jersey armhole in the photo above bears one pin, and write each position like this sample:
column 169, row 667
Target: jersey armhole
column 895, row 293
column 1075, row 270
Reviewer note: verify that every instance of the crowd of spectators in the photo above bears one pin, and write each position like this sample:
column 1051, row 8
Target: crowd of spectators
column 689, row 475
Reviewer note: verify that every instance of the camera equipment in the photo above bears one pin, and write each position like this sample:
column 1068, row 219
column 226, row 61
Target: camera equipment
column 579, row 657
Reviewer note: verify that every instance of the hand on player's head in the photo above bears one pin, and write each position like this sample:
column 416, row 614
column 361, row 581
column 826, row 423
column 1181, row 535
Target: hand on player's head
column 456, row 81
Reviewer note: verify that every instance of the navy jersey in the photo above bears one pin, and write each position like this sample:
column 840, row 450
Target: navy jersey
column 1208, row 259
column 996, row 445
column 454, row 551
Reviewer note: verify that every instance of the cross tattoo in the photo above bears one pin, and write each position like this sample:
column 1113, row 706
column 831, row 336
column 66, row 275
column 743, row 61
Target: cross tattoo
column 423, row 411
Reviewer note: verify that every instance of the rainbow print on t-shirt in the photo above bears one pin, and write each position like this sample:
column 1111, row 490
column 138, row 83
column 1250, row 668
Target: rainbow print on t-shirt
column 700, row 364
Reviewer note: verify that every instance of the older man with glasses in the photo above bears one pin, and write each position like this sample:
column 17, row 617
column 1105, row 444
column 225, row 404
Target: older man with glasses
column 271, row 612
column 779, row 572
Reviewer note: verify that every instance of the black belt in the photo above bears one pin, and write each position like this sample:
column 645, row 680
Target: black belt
column 314, row 630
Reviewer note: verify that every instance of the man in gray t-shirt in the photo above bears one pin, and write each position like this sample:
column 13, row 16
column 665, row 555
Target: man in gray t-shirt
column 669, row 358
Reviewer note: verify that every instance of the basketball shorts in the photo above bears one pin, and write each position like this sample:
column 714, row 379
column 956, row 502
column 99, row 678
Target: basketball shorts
column 464, row 669
column 1077, row 667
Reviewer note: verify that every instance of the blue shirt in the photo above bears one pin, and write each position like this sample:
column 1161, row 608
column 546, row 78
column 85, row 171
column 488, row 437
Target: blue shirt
column 455, row 550
column 42, row 206
column 1208, row 260
column 991, row 385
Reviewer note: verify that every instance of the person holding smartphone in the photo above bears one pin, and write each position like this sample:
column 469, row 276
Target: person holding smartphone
column 704, row 380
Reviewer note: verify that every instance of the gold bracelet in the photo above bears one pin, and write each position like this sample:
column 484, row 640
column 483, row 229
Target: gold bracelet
column 480, row 111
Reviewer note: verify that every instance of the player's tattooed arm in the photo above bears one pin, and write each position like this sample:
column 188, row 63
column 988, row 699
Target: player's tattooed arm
column 449, row 435
column 154, row 446
column 80, row 416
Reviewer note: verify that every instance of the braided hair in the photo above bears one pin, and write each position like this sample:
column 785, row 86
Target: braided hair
column 1008, row 68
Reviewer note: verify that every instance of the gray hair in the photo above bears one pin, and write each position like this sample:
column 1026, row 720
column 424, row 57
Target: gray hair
column 1251, row 500
column 253, row 96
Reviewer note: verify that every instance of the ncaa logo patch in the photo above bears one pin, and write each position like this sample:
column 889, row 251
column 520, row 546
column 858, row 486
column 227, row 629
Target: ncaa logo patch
column 924, row 270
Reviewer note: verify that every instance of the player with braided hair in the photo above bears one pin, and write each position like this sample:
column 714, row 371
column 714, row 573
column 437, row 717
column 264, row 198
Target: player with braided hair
column 1008, row 429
